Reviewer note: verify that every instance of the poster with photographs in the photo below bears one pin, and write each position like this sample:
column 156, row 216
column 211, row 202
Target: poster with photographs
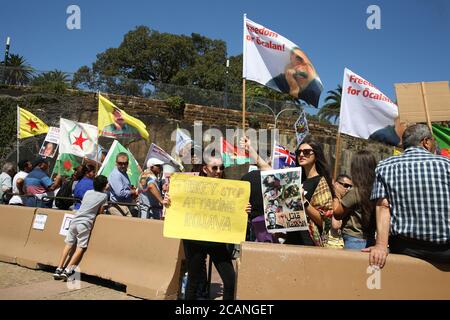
column 50, row 144
column 283, row 203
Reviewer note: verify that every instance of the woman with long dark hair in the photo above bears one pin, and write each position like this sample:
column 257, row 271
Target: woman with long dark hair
column 318, row 186
column 355, row 209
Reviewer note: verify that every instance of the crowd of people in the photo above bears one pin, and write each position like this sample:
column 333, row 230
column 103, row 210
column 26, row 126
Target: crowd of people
column 398, row 205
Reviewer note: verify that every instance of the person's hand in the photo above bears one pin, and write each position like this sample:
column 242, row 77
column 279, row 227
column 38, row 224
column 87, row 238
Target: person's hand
column 377, row 255
column 166, row 201
column 248, row 209
column 245, row 143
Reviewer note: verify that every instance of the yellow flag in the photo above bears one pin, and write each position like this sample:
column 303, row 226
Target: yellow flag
column 116, row 123
column 397, row 152
column 207, row 209
column 29, row 124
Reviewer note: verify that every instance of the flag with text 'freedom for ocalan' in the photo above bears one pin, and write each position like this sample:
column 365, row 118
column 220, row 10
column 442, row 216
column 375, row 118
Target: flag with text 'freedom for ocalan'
column 276, row 62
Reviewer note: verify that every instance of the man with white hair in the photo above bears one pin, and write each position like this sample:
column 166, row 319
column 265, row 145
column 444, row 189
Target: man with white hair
column 8, row 172
column 150, row 190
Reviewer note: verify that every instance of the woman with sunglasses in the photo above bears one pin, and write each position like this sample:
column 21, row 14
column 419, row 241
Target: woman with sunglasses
column 355, row 209
column 318, row 190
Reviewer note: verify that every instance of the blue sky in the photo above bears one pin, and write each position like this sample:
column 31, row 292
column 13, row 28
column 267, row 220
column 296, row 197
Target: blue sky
column 413, row 44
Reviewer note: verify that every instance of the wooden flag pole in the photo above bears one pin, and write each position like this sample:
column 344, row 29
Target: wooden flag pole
column 425, row 105
column 337, row 155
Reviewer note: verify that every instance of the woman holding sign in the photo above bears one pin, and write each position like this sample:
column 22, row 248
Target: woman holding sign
column 318, row 191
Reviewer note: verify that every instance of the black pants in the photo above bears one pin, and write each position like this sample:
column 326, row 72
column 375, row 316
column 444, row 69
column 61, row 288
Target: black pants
column 420, row 249
column 299, row 238
column 220, row 256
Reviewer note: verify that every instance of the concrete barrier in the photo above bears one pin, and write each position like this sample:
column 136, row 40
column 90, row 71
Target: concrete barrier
column 134, row 252
column 15, row 224
column 125, row 250
column 44, row 246
column 274, row 271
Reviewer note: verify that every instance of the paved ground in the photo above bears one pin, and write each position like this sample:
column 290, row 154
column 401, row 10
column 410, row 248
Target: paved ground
column 26, row 284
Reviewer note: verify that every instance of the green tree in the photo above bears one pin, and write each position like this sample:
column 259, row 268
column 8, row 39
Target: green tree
column 53, row 81
column 17, row 71
column 330, row 111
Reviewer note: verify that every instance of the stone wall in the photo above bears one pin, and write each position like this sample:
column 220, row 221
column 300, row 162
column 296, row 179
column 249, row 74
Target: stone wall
column 161, row 122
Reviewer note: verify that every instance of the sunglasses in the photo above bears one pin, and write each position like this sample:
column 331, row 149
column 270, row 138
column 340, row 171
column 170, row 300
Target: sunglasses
column 345, row 185
column 306, row 152
column 216, row 168
column 122, row 163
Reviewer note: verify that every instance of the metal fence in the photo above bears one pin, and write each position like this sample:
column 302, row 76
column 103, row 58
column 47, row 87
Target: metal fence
column 133, row 87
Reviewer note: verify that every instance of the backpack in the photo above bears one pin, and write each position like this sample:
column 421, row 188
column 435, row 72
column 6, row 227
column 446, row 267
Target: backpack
column 65, row 191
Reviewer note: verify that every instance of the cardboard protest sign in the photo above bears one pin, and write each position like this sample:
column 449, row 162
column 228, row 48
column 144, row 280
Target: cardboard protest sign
column 207, row 209
column 283, row 203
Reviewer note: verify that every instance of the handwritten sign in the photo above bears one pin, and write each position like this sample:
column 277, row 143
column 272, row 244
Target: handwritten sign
column 39, row 221
column 207, row 209
column 65, row 224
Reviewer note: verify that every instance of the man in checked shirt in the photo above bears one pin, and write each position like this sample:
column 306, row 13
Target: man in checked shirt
column 413, row 201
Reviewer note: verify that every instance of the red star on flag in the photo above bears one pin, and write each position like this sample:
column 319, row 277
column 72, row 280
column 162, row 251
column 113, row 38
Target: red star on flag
column 79, row 141
column 32, row 124
column 67, row 165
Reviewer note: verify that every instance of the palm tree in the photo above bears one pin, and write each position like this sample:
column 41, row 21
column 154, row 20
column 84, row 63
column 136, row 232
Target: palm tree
column 51, row 76
column 17, row 71
column 332, row 107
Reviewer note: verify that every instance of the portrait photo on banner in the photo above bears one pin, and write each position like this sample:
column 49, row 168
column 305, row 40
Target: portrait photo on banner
column 283, row 201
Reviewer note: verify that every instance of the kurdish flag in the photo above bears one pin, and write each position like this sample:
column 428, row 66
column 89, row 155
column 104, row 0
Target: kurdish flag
column 109, row 163
column 232, row 155
column 65, row 164
column 29, row 124
column 116, row 123
column 442, row 136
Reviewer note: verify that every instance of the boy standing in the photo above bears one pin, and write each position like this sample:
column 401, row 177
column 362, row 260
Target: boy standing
column 80, row 228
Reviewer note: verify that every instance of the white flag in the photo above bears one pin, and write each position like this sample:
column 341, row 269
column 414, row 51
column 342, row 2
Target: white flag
column 77, row 138
column 278, row 63
column 159, row 153
column 182, row 141
column 365, row 110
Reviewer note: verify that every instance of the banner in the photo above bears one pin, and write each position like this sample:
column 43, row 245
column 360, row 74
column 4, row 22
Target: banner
column 77, row 138
column 156, row 152
column 50, row 144
column 109, row 163
column 29, row 124
column 207, row 209
column 276, row 62
column 283, row 203
column 116, row 123
column 442, row 137
column 301, row 128
column 365, row 111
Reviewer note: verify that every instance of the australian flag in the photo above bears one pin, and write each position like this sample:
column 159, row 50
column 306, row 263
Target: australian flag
column 282, row 158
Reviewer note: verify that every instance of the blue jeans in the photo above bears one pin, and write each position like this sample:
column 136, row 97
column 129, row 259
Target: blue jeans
column 354, row 243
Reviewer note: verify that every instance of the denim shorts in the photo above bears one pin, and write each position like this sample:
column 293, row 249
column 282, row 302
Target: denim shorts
column 355, row 243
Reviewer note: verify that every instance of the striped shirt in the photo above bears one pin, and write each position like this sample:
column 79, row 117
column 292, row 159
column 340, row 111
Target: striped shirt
column 417, row 186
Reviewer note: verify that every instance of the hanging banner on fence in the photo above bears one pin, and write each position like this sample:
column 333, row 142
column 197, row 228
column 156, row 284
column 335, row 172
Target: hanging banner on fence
column 50, row 144
column 365, row 111
column 65, row 224
column 207, row 209
column 276, row 62
column 283, row 203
